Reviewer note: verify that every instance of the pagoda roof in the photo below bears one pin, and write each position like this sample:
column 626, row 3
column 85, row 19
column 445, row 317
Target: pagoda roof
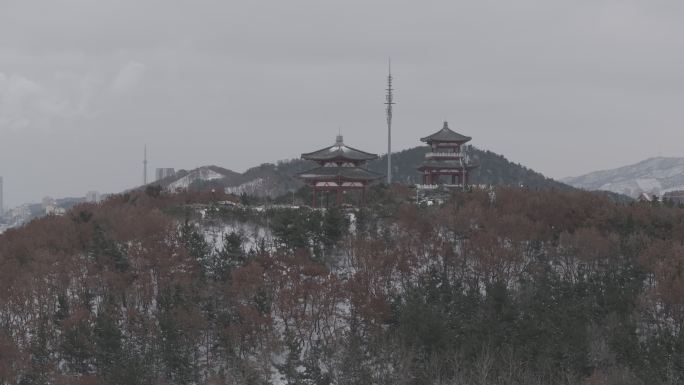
column 446, row 135
column 446, row 163
column 341, row 151
column 347, row 173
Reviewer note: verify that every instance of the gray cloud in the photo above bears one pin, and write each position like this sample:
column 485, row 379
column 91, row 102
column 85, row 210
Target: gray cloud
column 17, row 95
column 32, row 105
column 128, row 78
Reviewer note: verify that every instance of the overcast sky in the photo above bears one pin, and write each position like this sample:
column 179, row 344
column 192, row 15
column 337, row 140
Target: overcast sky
column 563, row 87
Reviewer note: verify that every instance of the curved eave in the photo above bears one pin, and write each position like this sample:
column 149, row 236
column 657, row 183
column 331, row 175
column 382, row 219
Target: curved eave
column 434, row 138
column 337, row 158
column 446, row 135
column 339, row 173
column 438, row 166
column 341, row 153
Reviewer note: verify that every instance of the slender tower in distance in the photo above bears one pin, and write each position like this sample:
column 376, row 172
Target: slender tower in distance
column 145, row 167
column 389, row 101
column 2, row 211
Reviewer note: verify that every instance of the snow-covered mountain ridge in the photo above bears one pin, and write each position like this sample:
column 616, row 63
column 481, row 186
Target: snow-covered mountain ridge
column 653, row 176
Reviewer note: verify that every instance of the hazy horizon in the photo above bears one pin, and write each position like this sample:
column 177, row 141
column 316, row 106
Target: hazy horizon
column 562, row 88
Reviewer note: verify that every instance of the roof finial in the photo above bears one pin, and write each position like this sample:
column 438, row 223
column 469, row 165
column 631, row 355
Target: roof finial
column 339, row 141
column 446, row 125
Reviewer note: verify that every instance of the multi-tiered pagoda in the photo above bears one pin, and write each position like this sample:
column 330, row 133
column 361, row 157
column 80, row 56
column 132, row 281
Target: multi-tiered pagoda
column 446, row 158
column 339, row 170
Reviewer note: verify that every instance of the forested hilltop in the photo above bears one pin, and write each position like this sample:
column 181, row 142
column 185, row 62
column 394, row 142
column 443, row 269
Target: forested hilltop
column 494, row 169
column 273, row 180
column 524, row 287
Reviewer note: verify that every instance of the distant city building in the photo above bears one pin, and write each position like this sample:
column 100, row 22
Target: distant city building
column 92, row 197
column 674, row 196
column 162, row 173
column 47, row 202
column 54, row 210
column 19, row 215
column 2, row 210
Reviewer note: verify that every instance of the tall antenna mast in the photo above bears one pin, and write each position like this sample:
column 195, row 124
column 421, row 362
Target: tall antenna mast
column 389, row 101
column 145, row 167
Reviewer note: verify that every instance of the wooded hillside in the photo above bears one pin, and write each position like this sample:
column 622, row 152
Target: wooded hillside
column 532, row 287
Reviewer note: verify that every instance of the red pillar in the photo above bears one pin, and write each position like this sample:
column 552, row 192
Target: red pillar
column 338, row 198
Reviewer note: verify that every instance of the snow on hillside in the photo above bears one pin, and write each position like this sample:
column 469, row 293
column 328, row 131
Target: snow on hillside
column 202, row 173
column 652, row 176
column 253, row 187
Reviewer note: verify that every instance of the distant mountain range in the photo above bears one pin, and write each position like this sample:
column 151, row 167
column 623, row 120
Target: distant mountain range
column 653, row 176
column 276, row 179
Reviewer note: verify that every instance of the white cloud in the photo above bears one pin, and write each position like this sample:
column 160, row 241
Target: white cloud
column 19, row 96
column 26, row 103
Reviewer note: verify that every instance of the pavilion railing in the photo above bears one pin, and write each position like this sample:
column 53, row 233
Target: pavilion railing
column 444, row 154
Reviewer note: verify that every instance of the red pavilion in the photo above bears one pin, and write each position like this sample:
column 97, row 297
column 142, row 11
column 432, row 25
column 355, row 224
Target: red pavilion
column 339, row 170
column 446, row 158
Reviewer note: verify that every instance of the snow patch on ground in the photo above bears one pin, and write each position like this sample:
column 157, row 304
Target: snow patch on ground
column 252, row 234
